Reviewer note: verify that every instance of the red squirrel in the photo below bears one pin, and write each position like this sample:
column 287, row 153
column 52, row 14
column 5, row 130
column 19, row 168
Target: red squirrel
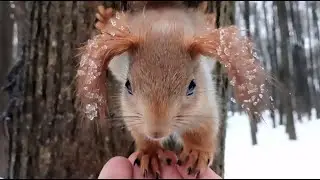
column 161, row 55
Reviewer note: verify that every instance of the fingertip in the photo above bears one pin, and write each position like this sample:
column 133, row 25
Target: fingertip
column 170, row 172
column 183, row 172
column 116, row 167
column 209, row 174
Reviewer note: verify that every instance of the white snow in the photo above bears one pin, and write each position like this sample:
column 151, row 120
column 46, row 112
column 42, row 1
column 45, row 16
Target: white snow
column 275, row 156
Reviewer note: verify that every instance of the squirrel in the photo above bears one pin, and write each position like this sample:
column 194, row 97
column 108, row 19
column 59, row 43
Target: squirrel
column 159, row 55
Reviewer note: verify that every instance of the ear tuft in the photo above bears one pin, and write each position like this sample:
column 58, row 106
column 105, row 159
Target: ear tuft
column 95, row 58
column 246, row 74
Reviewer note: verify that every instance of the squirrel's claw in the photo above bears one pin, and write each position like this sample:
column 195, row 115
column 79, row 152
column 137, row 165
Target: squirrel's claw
column 195, row 161
column 103, row 15
column 149, row 163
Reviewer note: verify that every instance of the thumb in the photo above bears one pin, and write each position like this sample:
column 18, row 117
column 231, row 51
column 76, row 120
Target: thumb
column 116, row 168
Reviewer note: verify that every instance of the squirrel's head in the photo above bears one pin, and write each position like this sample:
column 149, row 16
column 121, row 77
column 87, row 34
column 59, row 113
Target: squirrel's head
column 161, row 85
column 157, row 60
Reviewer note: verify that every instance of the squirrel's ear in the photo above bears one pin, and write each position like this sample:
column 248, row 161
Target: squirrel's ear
column 236, row 54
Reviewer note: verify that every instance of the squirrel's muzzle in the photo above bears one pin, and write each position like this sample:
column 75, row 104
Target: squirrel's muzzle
column 156, row 129
column 158, row 119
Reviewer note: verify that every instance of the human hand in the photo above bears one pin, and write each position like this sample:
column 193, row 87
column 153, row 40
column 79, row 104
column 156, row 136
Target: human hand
column 123, row 168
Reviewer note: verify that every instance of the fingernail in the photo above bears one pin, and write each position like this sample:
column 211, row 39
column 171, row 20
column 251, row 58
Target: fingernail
column 136, row 162
column 169, row 161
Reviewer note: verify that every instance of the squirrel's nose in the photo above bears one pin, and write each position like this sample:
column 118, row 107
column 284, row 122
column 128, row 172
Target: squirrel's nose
column 156, row 135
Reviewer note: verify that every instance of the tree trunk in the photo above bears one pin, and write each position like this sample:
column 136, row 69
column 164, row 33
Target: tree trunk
column 246, row 17
column 315, row 19
column 6, row 37
column 48, row 138
column 253, row 130
column 270, row 58
column 299, row 59
column 46, row 134
column 311, row 71
column 252, row 121
column 225, row 16
column 275, row 62
column 285, row 75
column 317, row 50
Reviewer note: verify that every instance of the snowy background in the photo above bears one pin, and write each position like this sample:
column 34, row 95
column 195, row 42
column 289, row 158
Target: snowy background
column 275, row 156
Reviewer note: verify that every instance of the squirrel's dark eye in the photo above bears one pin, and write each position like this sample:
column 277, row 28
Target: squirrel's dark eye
column 128, row 86
column 191, row 88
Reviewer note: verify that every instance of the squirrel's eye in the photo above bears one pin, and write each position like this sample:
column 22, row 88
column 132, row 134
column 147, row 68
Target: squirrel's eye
column 191, row 88
column 128, row 86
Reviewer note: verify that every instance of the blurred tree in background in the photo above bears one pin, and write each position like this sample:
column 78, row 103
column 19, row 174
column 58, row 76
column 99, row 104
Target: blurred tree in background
column 6, row 39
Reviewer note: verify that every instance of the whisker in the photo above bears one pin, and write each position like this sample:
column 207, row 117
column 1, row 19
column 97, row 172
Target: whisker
column 186, row 124
column 130, row 112
column 127, row 124
column 182, row 125
column 192, row 116
column 183, row 122
column 123, row 117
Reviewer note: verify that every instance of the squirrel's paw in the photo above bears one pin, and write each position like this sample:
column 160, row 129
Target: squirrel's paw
column 103, row 15
column 149, row 162
column 195, row 161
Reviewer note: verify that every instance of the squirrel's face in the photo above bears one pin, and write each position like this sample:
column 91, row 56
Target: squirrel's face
column 161, row 89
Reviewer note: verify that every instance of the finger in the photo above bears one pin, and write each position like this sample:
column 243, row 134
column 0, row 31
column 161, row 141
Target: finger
column 209, row 174
column 117, row 167
column 170, row 172
column 183, row 169
column 168, row 168
column 168, row 157
column 183, row 173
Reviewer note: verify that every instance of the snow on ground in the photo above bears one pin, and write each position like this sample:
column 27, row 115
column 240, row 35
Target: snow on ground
column 275, row 156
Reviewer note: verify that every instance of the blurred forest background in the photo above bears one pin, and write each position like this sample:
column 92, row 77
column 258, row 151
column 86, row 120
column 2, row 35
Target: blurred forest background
column 39, row 125
column 286, row 35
